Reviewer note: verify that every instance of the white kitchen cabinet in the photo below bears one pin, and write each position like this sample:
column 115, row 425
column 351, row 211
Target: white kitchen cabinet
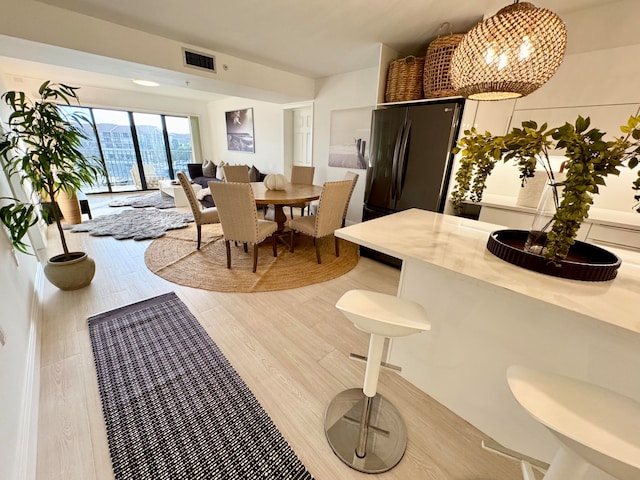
column 509, row 218
column 602, row 227
column 616, row 236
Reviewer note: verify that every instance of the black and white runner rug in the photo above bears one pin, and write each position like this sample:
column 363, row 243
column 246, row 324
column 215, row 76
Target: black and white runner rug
column 174, row 407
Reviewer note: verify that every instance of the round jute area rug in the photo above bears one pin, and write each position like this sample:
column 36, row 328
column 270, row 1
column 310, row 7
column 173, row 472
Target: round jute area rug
column 174, row 257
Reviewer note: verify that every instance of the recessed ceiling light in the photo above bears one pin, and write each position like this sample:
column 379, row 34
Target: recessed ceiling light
column 146, row 83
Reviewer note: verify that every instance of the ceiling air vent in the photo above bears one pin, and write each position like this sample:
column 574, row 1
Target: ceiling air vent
column 198, row 60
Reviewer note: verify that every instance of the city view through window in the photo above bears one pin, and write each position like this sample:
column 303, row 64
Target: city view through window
column 138, row 150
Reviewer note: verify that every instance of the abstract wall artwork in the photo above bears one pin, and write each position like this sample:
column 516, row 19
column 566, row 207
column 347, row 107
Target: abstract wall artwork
column 349, row 138
column 240, row 130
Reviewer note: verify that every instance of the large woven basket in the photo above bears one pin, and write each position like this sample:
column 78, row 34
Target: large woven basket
column 404, row 80
column 437, row 82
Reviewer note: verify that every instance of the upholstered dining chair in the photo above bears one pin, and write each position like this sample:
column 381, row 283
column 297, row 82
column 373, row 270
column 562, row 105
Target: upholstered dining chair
column 353, row 177
column 303, row 175
column 239, row 218
column 239, row 174
column 328, row 218
column 200, row 216
column 236, row 173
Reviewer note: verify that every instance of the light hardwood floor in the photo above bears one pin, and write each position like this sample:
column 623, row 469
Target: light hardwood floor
column 290, row 347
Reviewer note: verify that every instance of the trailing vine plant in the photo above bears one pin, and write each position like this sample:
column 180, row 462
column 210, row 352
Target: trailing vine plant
column 590, row 159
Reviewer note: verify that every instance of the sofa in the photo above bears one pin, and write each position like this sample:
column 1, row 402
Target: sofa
column 197, row 175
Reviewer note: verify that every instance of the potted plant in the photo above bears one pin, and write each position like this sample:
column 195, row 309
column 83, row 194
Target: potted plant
column 589, row 160
column 41, row 147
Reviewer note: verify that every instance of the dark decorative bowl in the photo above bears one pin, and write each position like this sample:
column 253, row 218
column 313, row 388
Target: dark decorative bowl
column 584, row 262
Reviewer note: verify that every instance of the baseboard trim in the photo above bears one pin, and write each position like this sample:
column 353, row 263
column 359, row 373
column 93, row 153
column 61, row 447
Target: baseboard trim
column 27, row 447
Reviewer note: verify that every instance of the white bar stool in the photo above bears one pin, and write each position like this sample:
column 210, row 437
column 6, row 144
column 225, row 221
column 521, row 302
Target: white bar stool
column 366, row 431
column 595, row 426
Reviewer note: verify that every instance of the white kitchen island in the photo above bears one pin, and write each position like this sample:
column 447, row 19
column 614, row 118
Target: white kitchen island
column 487, row 314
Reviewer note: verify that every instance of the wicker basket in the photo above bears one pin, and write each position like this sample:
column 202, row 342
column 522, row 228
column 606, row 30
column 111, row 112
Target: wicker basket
column 437, row 82
column 404, row 80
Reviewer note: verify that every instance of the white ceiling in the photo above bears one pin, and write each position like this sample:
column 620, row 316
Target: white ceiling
column 314, row 38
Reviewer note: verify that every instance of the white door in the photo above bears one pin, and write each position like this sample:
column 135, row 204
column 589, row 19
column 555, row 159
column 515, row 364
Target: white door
column 302, row 140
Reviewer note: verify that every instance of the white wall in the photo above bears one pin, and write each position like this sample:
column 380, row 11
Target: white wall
column 598, row 78
column 16, row 356
column 268, row 123
column 350, row 90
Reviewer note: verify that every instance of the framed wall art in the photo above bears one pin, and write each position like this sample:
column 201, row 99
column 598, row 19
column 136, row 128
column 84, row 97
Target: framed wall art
column 240, row 130
column 349, row 138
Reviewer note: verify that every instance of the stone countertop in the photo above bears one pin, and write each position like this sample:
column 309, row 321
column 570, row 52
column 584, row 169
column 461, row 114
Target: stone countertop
column 459, row 245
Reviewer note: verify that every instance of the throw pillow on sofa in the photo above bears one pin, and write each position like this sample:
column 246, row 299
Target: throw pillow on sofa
column 220, row 171
column 195, row 170
column 254, row 174
column 208, row 169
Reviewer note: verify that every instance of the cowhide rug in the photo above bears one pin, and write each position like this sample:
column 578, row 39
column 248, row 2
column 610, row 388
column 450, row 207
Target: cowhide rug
column 154, row 199
column 136, row 224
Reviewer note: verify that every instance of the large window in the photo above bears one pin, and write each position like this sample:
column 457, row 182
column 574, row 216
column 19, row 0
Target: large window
column 118, row 151
column 180, row 143
column 138, row 150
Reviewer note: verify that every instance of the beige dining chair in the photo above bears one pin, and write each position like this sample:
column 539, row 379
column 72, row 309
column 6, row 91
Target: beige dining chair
column 328, row 218
column 201, row 216
column 353, row 177
column 236, row 173
column 239, row 218
column 239, row 174
column 303, row 175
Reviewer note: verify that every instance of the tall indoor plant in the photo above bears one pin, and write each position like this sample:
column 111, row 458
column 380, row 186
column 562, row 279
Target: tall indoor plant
column 589, row 160
column 41, row 146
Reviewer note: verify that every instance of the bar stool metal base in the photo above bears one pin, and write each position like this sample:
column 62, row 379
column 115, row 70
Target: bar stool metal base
column 387, row 438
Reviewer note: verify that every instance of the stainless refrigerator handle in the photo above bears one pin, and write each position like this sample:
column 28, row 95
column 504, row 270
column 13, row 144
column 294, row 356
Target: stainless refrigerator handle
column 403, row 157
column 394, row 164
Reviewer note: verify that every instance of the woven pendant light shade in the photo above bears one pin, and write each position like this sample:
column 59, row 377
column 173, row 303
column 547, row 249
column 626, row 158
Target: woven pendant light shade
column 509, row 55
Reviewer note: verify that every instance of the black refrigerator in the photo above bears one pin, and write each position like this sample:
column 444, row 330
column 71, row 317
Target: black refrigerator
column 410, row 159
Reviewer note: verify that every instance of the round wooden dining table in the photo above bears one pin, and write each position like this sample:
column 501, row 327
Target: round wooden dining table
column 293, row 193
